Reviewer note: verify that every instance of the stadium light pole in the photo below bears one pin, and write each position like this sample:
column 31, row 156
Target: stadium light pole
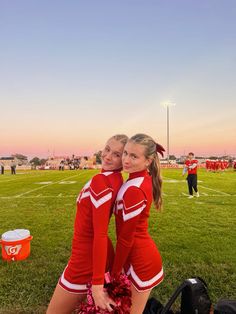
column 168, row 105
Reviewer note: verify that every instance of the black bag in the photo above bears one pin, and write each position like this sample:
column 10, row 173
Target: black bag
column 153, row 306
column 225, row 307
column 194, row 297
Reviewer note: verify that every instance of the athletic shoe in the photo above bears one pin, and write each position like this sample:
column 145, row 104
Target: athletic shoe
column 197, row 194
column 190, row 196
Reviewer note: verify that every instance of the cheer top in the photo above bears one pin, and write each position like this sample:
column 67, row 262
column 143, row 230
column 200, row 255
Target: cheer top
column 132, row 209
column 94, row 208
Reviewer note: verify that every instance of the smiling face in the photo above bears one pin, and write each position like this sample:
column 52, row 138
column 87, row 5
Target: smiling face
column 134, row 159
column 111, row 155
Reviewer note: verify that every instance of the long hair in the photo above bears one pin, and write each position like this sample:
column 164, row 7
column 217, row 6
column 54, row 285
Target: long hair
column 154, row 168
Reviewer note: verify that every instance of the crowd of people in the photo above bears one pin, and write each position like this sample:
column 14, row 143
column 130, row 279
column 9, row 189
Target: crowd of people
column 72, row 164
column 217, row 165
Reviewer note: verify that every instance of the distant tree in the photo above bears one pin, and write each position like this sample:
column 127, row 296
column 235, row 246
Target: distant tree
column 172, row 157
column 38, row 162
column 43, row 161
column 20, row 156
column 35, row 161
column 180, row 161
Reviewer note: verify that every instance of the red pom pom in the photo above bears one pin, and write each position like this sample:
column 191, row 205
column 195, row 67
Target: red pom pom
column 118, row 290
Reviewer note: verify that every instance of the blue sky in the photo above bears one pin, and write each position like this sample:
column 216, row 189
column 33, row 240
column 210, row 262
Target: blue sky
column 75, row 72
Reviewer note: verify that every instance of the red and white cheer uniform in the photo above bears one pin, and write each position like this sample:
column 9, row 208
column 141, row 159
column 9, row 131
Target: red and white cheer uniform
column 92, row 250
column 136, row 252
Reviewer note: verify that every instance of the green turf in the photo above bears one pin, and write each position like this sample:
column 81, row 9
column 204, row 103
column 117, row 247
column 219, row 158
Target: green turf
column 196, row 237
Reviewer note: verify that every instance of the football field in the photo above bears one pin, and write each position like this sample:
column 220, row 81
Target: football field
column 196, row 237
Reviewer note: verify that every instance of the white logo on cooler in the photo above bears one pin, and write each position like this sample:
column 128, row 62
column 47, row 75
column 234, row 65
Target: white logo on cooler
column 13, row 250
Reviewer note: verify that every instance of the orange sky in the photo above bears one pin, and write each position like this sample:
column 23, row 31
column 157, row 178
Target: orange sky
column 65, row 87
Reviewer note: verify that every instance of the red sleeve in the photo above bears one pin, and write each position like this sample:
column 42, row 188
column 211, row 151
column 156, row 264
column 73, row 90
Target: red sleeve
column 134, row 202
column 101, row 199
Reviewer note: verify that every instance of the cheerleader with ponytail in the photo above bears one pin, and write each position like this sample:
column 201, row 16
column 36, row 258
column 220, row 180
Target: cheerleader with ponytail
column 136, row 253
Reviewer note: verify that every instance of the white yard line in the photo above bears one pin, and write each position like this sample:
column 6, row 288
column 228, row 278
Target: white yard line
column 60, row 195
column 204, row 194
column 167, row 178
column 40, row 196
column 44, row 186
column 8, row 180
column 19, row 178
column 171, row 180
column 223, row 193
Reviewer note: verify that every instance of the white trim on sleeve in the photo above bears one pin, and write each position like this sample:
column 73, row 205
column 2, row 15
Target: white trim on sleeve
column 85, row 194
column 102, row 200
column 133, row 214
column 139, row 203
column 97, row 194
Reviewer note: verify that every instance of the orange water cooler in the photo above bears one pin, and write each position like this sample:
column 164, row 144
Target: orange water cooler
column 16, row 244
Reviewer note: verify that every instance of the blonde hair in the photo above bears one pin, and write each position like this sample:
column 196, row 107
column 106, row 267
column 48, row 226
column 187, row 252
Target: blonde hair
column 120, row 137
column 154, row 168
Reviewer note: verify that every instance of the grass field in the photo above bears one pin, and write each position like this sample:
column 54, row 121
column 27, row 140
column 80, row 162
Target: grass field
column 196, row 237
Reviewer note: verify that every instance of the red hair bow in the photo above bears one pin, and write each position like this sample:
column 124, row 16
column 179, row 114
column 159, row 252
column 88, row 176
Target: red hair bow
column 160, row 149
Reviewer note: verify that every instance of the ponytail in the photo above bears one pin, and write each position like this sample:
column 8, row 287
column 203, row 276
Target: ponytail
column 154, row 170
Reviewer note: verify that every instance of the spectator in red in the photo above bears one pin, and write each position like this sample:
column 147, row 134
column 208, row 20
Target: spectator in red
column 190, row 166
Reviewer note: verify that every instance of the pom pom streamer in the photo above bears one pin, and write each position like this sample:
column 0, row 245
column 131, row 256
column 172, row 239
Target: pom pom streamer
column 118, row 290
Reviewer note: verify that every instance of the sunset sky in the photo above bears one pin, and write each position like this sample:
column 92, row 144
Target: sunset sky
column 73, row 73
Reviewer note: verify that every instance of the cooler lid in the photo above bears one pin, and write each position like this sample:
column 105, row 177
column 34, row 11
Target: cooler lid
column 15, row 235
